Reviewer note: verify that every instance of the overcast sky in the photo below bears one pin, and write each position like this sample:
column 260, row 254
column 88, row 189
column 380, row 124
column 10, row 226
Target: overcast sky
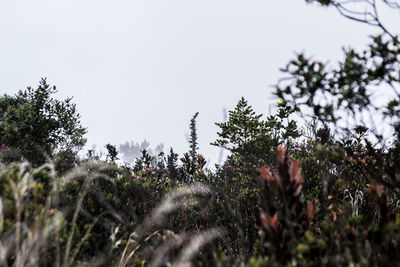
column 140, row 69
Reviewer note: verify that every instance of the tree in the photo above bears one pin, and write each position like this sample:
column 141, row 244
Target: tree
column 251, row 139
column 111, row 153
column 193, row 137
column 38, row 125
column 130, row 151
column 172, row 166
column 343, row 92
column 192, row 161
column 362, row 89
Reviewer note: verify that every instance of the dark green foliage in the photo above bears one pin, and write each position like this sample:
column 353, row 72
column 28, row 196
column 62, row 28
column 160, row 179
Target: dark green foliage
column 341, row 94
column 188, row 167
column 349, row 91
column 172, row 167
column 243, row 125
column 251, row 139
column 37, row 125
column 144, row 162
column 111, row 153
column 316, row 203
column 326, row 195
column 193, row 138
column 192, row 162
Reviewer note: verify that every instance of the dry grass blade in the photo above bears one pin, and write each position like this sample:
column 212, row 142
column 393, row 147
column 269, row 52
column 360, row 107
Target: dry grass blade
column 194, row 246
column 26, row 239
column 83, row 239
column 89, row 175
column 171, row 202
column 161, row 252
column 1, row 216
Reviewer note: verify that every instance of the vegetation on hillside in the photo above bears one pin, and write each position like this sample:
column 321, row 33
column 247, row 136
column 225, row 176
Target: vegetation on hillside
column 324, row 194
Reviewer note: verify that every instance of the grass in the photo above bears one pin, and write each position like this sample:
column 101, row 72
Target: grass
column 31, row 235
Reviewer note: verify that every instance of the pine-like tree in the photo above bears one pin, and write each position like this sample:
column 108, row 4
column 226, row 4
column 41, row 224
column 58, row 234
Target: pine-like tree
column 193, row 139
column 172, row 166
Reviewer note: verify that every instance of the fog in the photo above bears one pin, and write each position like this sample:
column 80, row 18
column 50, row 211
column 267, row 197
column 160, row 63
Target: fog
column 140, row 69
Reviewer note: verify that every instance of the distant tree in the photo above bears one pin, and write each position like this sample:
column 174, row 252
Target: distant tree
column 38, row 125
column 130, row 151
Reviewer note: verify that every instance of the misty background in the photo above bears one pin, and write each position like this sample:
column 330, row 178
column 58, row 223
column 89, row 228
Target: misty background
column 139, row 70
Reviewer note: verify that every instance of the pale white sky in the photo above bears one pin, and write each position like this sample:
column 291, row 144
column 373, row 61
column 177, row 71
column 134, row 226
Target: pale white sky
column 140, row 69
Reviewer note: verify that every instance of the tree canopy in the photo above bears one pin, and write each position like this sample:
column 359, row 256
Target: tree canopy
column 248, row 137
column 38, row 125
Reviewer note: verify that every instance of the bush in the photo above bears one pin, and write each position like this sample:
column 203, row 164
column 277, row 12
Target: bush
column 37, row 125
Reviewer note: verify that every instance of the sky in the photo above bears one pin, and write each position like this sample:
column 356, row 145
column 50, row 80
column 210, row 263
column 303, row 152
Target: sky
column 141, row 69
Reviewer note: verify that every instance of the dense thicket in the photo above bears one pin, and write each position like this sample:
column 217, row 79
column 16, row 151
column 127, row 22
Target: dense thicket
column 323, row 194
